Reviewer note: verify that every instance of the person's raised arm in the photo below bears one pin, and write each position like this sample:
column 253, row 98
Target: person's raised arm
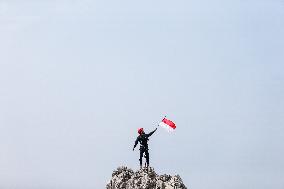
column 152, row 132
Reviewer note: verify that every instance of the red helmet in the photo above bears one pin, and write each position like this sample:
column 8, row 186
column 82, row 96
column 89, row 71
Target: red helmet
column 140, row 130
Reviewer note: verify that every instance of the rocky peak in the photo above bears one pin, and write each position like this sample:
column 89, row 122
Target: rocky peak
column 125, row 178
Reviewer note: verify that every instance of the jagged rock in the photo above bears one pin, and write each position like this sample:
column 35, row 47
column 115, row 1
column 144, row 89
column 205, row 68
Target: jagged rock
column 125, row 178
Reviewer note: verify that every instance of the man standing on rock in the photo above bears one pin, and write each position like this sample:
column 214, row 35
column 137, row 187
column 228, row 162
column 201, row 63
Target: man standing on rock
column 143, row 140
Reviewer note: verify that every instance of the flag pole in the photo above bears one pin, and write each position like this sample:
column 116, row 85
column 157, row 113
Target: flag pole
column 162, row 120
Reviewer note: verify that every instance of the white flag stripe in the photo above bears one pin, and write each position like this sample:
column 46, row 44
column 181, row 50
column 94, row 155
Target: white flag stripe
column 165, row 126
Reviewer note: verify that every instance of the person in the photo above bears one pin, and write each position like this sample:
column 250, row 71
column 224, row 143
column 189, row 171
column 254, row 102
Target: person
column 143, row 140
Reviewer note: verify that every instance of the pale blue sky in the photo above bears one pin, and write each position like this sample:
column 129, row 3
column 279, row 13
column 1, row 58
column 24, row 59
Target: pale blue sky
column 77, row 78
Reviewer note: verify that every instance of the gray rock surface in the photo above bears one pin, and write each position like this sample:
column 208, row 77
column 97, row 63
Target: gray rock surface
column 125, row 178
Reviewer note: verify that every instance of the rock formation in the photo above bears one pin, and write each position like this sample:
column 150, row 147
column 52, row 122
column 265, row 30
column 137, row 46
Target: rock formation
column 125, row 178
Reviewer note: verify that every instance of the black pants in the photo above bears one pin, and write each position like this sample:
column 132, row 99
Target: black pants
column 142, row 151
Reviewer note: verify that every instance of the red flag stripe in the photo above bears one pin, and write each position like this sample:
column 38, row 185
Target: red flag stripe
column 169, row 123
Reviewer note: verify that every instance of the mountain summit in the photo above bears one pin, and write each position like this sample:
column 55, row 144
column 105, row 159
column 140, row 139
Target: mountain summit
column 125, row 178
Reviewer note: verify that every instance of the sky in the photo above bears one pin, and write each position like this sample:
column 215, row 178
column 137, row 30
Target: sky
column 78, row 77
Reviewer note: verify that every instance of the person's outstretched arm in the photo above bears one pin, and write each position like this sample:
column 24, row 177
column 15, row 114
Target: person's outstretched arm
column 152, row 132
column 136, row 142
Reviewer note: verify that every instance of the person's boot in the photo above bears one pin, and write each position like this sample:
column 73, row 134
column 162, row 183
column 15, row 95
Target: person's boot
column 147, row 167
column 140, row 166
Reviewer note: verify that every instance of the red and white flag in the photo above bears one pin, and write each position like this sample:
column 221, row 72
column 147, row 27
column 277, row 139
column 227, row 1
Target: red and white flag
column 168, row 125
